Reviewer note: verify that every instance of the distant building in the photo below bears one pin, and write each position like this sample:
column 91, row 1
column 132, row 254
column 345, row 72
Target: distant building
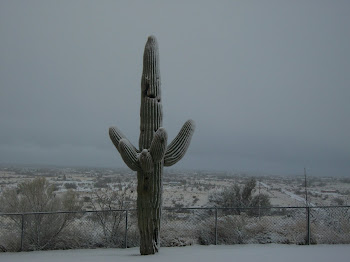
column 329, row 191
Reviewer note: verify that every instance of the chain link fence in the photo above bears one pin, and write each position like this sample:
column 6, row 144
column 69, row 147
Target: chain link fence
column 179, row 227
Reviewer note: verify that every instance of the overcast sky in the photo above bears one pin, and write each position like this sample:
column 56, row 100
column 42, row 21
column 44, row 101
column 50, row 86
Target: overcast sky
column 267, row 82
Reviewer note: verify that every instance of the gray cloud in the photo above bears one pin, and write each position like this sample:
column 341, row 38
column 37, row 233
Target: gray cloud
column 267, row 83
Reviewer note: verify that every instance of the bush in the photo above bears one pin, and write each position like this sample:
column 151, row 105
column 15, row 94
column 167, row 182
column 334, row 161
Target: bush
column 338, row 201
column 41, row 231
column 70, row 186
column 112, row 223
column 240, row 198
column 233, row 229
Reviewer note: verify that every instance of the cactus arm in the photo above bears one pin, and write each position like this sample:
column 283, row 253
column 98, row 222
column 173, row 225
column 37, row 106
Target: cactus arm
column 178, row 147
column 129, row 154
column 159, row 145
column 116, row 135
column 146, row 161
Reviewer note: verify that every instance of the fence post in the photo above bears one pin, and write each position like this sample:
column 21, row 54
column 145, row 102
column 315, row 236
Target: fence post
column 308, row 240
column 22, row 232
column 126, row 228
column 216, row 226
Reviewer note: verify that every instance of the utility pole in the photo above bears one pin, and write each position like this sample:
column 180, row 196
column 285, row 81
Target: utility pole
column 308, row 226
column 259, row 200
column 306, row 199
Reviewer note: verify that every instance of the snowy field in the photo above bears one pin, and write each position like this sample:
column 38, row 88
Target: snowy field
column 246, row 253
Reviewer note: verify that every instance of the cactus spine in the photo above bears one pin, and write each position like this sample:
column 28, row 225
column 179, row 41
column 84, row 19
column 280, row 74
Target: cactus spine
column 153, row 153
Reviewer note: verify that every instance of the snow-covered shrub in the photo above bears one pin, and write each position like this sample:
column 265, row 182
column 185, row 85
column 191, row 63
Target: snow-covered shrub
column 178, row 226
column 40, row 231
column 175, row 234
column 237, row 198
column 231, row 229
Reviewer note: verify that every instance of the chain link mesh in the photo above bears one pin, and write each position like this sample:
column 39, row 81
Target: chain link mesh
column 261, row 226
column 330, row 225
column 179, row 227
column 10, row 233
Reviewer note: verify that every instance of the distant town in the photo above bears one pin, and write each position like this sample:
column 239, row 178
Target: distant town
column 181, row 188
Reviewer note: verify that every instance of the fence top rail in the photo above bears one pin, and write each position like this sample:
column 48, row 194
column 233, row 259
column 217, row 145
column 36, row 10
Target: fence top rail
column 167, row 209
column 64, row 212
column 224, row 208
column 315, row 207
column 255, row 207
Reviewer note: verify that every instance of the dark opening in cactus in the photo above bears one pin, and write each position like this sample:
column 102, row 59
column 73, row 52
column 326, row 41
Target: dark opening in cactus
column 153, row 152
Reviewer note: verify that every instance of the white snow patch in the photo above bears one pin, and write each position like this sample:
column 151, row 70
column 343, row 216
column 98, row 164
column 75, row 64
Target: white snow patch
column 247, row 253
column 265, row 185
column 296, row 197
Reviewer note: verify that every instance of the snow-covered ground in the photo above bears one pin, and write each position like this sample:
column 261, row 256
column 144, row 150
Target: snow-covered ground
column 246, row 253
column 296, row 197
column 264, row 185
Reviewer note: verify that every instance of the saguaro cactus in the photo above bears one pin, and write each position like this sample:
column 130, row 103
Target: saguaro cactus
column 153, row 152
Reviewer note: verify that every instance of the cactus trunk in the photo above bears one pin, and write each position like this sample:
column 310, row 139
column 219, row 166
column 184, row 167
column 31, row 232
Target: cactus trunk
column 153, row 153
column 149, row 200
column 149, row 188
